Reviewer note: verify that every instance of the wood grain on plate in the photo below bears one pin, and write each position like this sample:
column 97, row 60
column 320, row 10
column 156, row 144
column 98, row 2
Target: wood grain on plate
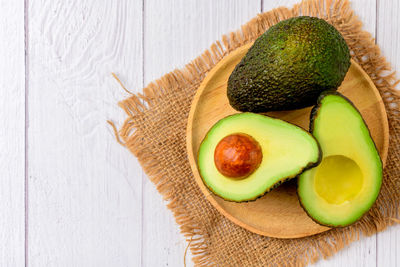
column 278, row 213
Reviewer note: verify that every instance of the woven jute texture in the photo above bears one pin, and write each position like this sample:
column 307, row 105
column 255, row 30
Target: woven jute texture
column 154, row 132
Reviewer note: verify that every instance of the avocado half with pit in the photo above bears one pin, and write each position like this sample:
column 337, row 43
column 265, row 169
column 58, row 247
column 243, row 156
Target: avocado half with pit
column 347, row 182
column 245, row 155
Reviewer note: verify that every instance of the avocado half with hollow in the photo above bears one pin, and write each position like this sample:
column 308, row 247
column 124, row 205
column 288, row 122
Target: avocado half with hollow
column 347, row 182
column 245, row 155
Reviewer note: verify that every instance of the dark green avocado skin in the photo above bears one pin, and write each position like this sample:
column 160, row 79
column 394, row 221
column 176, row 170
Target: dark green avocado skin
column 289, row 66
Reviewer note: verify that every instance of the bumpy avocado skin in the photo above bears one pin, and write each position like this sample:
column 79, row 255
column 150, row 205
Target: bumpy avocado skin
column 289, row 66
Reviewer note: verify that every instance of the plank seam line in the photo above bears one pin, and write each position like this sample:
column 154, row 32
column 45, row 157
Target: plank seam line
column 26, row 90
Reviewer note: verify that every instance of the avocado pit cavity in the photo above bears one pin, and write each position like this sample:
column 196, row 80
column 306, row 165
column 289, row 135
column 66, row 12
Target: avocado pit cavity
column 237, row 155
column 338, row 179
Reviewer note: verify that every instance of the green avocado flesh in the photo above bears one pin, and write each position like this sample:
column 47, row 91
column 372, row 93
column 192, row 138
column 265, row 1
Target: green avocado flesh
column 289, row 66
column 287, row 150
column 347, row 182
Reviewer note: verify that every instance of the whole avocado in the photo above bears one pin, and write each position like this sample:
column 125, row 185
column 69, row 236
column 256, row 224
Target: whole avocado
column 289, row 66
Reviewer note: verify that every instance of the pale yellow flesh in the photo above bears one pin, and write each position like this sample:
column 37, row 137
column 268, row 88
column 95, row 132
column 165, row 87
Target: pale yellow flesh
column 286, row 148
column 347, row 182
column 338, row 179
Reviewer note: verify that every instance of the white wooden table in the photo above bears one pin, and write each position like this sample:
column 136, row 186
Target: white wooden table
column 69, row 194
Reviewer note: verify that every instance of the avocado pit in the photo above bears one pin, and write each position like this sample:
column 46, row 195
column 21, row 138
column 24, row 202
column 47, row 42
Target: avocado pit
column 237, row 155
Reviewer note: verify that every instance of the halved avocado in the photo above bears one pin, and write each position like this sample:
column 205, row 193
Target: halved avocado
column 347, row 182
column 245, row 155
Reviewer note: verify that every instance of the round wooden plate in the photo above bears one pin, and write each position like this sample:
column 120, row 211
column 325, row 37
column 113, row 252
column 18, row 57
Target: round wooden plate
column 278, row 213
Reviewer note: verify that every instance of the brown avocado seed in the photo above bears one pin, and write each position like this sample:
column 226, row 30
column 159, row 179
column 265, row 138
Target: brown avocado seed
column 237, row 155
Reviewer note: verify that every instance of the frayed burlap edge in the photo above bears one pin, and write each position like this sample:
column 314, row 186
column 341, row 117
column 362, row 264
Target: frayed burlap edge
column 155, row 133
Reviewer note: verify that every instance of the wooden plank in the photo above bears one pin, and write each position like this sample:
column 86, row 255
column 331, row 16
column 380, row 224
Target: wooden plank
column 388, row 247
column 12, row 133
column 388, row 38
column 85, row 191
column 176, row 32
column 361, row 253
column 268, row 5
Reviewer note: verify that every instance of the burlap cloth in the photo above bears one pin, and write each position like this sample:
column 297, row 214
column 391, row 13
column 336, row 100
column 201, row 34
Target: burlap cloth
column 155, row 133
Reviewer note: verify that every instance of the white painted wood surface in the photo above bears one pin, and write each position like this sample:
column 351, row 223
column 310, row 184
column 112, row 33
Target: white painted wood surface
column 88, row 202
column 12, row 133
column 85, row 191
